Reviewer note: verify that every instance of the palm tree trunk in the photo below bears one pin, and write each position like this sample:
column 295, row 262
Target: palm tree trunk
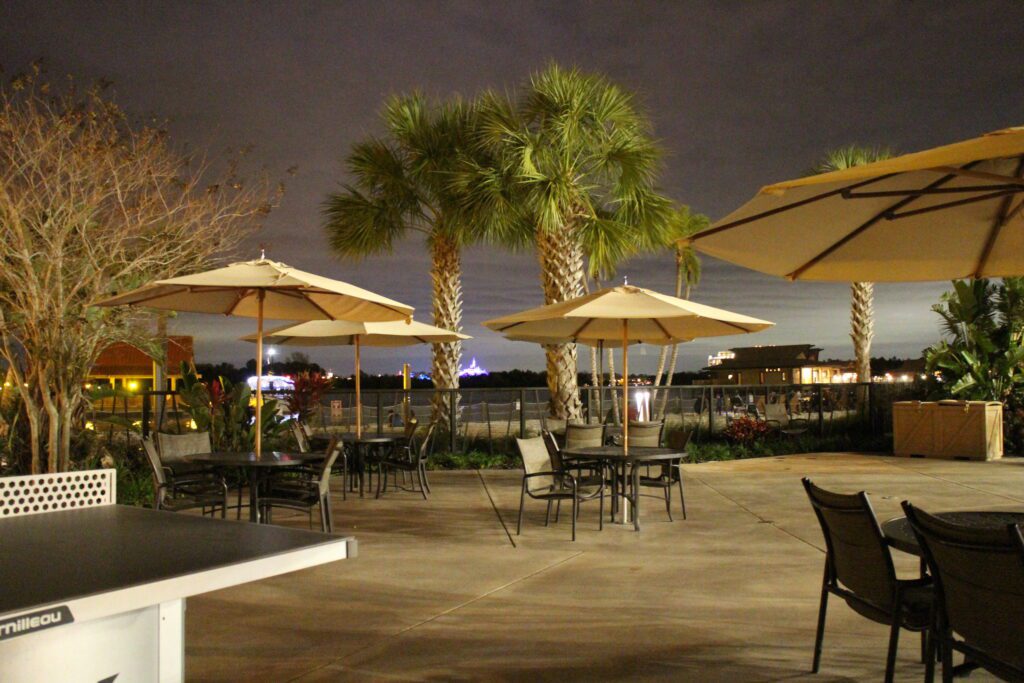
column 446, row 278
column 862, row 326
column 616, row 401
column 561, row 274
column 663, row 395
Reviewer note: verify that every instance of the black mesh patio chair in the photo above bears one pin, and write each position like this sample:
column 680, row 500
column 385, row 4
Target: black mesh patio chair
column 174, row 450
column 859, row 569
column 303, row 440
column 578, row 435
column 669, row 473
column 303, row 488
column 542, row 481
column 203, row 490
column 596, row 477
column 979, row 588
column 408, row 457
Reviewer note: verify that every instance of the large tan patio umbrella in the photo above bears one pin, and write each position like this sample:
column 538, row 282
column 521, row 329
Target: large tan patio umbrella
column 950, row 212
column 342, row 333
column 623, row 315
column 264, row 289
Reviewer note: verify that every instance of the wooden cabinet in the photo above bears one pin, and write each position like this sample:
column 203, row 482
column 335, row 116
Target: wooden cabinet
column 955, row 430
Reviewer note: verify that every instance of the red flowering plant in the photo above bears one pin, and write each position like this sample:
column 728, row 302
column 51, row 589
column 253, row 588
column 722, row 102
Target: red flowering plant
column 307, row 392
column 746, row 430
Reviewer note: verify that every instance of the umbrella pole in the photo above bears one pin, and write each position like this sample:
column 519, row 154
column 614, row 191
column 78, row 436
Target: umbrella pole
column 600, row 381
column 625, row 387
column 359, row 401
column 259, row 372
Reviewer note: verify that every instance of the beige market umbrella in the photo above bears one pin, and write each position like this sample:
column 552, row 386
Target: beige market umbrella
column 264, row 289
column 623, row 315
column 949, row 212
column 342, row 333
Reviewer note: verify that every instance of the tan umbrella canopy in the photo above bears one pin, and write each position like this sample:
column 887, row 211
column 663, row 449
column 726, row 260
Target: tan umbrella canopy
column 949, row 212
column 342, row 333
column 623, row 315
column 264, row 289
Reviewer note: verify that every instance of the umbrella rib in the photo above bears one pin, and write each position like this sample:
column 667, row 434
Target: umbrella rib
column 238, row 300
column 963, row 189
column 892, row 216
column 980, row 175
column 1001, row 219
column 787, row 207
column 582, row 327
column 317, row 306
column 661, row 327
column 870, row 222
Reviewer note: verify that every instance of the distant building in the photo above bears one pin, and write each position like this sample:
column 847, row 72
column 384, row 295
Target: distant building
column 123, row 365
column 909, row 371
column 791, row 364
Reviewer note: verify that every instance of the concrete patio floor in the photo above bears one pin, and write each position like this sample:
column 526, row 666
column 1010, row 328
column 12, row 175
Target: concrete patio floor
column 444, row 590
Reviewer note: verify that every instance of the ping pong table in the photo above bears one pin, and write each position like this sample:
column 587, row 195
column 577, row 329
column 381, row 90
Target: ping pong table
column 95, row 592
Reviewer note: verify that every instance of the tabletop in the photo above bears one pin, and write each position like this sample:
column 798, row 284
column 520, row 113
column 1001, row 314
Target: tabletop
column 351, row 438
column 636, row 453
column 900, row 536
column 268, row 459
column 72, row 554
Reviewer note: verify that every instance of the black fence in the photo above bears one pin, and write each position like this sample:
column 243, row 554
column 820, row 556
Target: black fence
column 489, row 419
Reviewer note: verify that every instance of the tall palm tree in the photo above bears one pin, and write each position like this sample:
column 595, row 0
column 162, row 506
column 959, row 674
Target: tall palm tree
column 401, row 184
column 688, row 272
column 576, row 161
column 862, row 294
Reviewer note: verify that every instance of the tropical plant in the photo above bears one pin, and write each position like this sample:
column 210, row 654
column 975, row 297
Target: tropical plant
column 862, row 294
column 746, row 430
column 982, row 355
column 688, row 271
column 573, row 167
column 222, row 408
column 402, row 183
column 308, row 390
column 92, row 203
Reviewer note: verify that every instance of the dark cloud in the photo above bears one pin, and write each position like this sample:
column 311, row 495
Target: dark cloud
column 741, row 94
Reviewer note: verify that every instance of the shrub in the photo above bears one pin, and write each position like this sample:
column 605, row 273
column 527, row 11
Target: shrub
column 746, row 430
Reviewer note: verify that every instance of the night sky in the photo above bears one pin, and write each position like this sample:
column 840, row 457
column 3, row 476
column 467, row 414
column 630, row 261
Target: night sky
column 741, row 94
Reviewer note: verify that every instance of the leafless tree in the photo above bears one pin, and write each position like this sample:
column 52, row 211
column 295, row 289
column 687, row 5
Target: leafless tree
column 92, row 202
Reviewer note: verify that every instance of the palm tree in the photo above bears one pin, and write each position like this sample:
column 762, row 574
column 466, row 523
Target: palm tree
column 575, row 166
column 688, row 271
column 862, row 294
column 401, row 184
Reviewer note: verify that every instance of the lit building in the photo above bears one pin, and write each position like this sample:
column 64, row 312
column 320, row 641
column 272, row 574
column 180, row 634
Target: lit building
column 128, row 367
column 790, row 364
column 473, row 370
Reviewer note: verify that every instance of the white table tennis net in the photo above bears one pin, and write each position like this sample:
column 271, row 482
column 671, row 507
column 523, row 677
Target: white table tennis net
column 33, row 494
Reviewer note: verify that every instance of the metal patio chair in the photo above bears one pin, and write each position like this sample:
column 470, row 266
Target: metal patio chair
column 670, row 473
column 303, row 488
column 542, row 481
column 203, row 490
column 979, row 587
column 859, row 569
column 409, row 457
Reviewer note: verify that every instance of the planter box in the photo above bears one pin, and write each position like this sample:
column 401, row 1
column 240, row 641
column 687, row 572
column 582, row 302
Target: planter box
column 954, row 430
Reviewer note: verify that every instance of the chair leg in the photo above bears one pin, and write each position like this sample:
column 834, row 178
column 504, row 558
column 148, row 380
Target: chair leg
column 378, row 481
column 330, row 513
column 419, row 475
column 894, row 641
column 323, row 516
column 820, row 633
column 947, row 659
column 426, row 481
column 929, row 655
column 682, row 499
column 575, row 512
column 558, row 510
column 668, row 500
column 600, row 514
column 238, row 507
column 547, row 515
column 522, row 500
column 344, row 477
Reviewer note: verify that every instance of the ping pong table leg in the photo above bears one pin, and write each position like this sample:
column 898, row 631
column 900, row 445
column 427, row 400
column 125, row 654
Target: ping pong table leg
column 171, row 652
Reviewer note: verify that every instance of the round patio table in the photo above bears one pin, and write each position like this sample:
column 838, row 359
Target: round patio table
column 899, row 535
column 360, row 448
column 256, row 468
column 623, row 466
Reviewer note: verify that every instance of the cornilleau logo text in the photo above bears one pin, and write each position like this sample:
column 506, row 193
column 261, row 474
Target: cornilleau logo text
column 35, row 621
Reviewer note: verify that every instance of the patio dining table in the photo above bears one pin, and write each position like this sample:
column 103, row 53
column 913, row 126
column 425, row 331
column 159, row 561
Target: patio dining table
column 899, row 535
column 361, row 446
column 256, row 467
column 625, row 466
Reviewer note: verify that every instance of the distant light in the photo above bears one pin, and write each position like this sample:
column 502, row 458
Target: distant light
column 90, row 426
column 473, row 370
column 133, row 385
column 192, row 424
